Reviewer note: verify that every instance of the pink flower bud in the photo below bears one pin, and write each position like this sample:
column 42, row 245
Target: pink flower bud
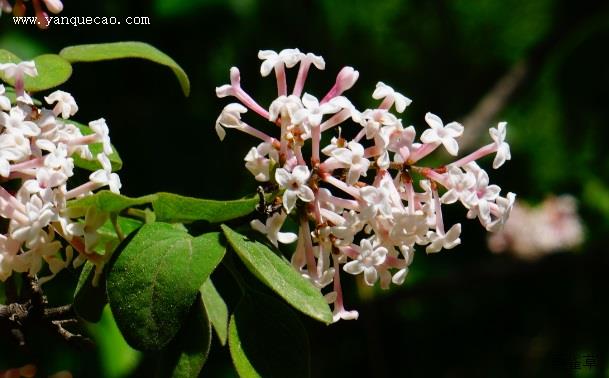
column 346, row 79
column 235, row 77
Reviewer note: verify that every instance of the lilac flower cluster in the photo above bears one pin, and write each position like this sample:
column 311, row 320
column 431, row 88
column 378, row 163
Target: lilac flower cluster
column 37, row 146
column 364, row 204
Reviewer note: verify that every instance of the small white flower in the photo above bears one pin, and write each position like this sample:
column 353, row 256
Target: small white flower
column 271, row 59
column 13, row 147
column 461, row 187
column 103, row 134
column 442, row 134
column 284, row 107
column 503, row 149
column 376, row 200
column 353, row 158
column 317, row 60
column 257, row 162
column 66, row 105
column 373, row 119
column 505, row 206
column 312, row 111
column 334, row 144
column 485, row 194
column 409, row 228
column 39, row 213
column 271, row 229
column 230, row 118
column 105, row 176
column 340, row 313
column 25, row 99
column 57, row 168
column 5, row 103
column 447, row 241
column 295, row 185
column 399, row 139
column 384, row 91
column 370, row 257
column 346, row 231
column 12, row 70
column 15, row 123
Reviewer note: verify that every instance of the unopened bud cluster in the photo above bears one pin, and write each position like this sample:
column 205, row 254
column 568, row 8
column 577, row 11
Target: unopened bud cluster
column 366, row 204
column 37, row 146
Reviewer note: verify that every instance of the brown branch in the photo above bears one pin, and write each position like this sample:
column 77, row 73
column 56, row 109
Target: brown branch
column 491, row 104
column 18, row 317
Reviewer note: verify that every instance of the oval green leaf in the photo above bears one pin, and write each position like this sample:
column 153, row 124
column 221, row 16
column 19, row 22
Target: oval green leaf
column 122, row 50
column 8, row 57
column 170, row 207
column 280, row 276
column 216, row 310
column 156, row 279
column 266, row 339
column 185, row 356
column 89, row 299
column 53, row 70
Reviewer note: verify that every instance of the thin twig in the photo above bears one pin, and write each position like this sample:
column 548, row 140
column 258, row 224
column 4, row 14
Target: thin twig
column 18, row 317
column 491, row 104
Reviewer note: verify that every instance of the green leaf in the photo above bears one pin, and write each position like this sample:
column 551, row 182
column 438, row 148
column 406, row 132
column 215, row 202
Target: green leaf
column 89, row 300
column 280, row 276
column 185, row 356
column 266, row 339
column 216, row 310
column 8, row 57
column 95, row 148
column 122, row 50
column 156, row 279
column 53, row 70
column 170, row 207
column 107, row 233
column 110, row 202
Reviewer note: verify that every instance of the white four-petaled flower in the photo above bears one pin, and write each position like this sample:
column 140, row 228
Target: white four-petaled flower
column 369, row 258
column 271, row 59
column 295, row 185
column 271, row 228
column 230, row 117
column 439, row 133
column 503, row 148
column 66, row 106
column 383, row 91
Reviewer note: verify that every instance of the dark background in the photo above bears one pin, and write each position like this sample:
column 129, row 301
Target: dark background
column 461, row 313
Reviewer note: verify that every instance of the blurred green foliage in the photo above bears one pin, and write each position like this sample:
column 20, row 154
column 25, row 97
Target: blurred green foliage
column 461, row 313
